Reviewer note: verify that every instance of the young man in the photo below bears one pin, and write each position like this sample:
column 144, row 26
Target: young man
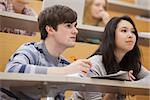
column 57, row 25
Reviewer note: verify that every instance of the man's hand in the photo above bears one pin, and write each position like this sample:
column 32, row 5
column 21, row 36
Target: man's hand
column 78, row 66
column 81, row 65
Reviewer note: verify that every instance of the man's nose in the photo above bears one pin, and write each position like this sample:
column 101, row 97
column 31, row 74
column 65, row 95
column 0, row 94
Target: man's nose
column 75, row 30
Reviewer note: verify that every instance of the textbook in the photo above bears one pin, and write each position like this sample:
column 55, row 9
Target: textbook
column 121, row 75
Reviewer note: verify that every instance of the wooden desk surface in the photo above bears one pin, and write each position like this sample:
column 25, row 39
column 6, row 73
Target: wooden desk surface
column 55, row 82
column 30, row 24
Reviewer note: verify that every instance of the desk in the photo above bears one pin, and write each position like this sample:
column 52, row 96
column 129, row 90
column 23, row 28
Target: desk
column 45, row 83
column 30, row 24
column 18, row 21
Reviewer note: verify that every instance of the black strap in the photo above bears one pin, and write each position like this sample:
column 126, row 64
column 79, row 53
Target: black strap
column 10, row 94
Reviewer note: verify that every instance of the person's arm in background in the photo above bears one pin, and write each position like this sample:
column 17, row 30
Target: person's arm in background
column 2, row 6
column 28, row 11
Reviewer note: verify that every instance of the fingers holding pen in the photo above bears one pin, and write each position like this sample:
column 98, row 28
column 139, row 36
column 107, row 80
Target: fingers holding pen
column 84, row 65
column 81, row 65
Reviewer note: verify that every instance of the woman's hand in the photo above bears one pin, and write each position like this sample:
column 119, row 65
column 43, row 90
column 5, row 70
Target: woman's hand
column 130, row 74
column 105, row 16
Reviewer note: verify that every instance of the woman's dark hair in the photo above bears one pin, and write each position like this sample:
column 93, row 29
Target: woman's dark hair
column 52, row 16
column 131, row 60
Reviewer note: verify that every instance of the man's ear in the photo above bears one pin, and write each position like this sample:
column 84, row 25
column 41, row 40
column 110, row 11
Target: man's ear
column 49, row 29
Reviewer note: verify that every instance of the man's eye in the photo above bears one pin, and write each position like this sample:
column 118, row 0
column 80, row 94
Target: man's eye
column 69, row 25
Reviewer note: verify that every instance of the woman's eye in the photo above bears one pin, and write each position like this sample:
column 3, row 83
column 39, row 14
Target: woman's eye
column 133, row 32
column 97, row 5
column 123, row 30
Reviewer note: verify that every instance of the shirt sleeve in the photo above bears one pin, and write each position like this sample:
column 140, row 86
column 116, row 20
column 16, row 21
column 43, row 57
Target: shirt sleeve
column 97, row 68
column 29, row 11
column 25, row 60
column 143, row 74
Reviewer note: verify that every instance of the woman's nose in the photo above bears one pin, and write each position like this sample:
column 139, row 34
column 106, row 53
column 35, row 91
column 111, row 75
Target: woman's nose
column 101, row 8
column 130, row 35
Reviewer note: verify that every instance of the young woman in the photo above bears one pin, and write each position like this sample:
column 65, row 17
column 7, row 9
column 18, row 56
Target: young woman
column 95, row 13
column 119, row 51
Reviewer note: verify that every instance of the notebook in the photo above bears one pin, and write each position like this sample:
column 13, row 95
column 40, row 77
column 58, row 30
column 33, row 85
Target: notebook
column 121, row 75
